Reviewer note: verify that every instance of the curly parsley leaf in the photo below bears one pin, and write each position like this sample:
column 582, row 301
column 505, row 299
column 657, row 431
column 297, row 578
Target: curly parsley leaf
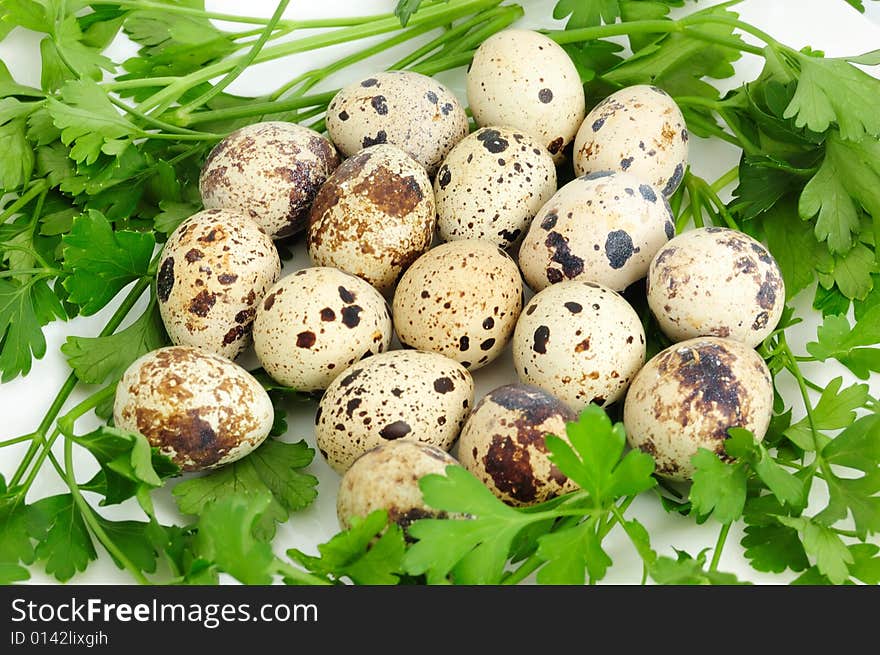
column 849, row 345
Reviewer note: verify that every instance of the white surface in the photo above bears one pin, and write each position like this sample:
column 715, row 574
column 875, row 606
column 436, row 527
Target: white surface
column 830, row 25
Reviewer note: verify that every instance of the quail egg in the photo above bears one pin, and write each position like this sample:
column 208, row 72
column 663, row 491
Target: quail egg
column 460, row 299
column 216, row 267
column 403, row 394
column 639, row 129
column 523, row 79
column 687, row 397
column 716, row 282
column 410, row 110
column 502, row 443
column 270, row 171
column 315, row 323
column 579, row 341
column 602, row 227
column 199, row 409
column 374, row 216
column 491, row 185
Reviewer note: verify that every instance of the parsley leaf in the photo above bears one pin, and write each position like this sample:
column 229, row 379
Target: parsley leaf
column 405, row 9
column 687, row 570
column 835, row 410
column 586, row 13
column 718, row 488
column 569, row 553
column 17, row 162
column 66, row 546
column 823, row 546
column 848, row 345
column 132, row 538
column 24, row 309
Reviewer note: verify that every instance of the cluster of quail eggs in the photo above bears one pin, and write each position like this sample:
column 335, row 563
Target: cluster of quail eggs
column 435, row 251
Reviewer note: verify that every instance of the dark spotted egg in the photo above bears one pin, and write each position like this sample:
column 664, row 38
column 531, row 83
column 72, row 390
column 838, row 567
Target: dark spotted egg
column 503, row 444
column 414, row 112
column 689, row 395
column 603, row 227
column 215, row 269
column 579, row 341
column 491, row 185
column 269, row 171
column 716, row 281
column 639, row 129
column 400, row 395
column 199, row 409
column 315, row 323
column 374, row 216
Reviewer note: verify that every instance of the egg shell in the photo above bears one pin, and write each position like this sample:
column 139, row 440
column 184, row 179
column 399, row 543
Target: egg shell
column 201, row 410
column 399, row 395
column 579, row 341
column 687, row 397
column 270, row 171
column 387, row 477
column 491, row 185
column 716, row 282
column 374, row 216
column 315, row 323
column 460, row 299
column 638, row 129
column 523, row 79
column 503, row 444
column 216, row 267
column 409, row 110
column 602, row 227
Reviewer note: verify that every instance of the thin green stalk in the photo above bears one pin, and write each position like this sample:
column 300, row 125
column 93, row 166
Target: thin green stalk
column 719, row 547
column 260, row 108
column 38, row 187
column 12, row 442
column 300, row 576
column 41, row 272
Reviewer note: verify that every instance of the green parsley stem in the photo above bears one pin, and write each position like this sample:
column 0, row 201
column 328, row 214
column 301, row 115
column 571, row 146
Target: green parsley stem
column 728, row 178
column 727, row 20
column 719, row 547
column 41, row 272
column 298, row 575
column 12, row 442
column 36, row 189
column 260, row 108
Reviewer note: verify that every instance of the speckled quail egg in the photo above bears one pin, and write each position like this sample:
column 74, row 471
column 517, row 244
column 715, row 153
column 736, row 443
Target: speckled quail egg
column 502, row 443
column 716, row 282
column 491, row 185
column 403, row 394
column 524, row 79
column 199, row 409
column 216, row 267
column 374, row 216
column 460, row 299
column 602, row 227
column 579, row 341
column 270, row 171
column 387, row 477
column 412, row 111
column 639, row 129
column 315, row 323
column 687, row 396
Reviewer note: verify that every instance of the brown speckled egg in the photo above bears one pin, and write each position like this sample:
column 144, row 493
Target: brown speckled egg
column 387, row 477
column 403, row 394
column 199, row 409
column 603, row 227
column 374, row 216
column 491, row 185
column 638, row 129
column 524, row 79
column 460, row 299
column 503, row 444
column 412, row 111
column 579, row 341
column 215, row 268
column 270, row 171
column 687, row 397
column 716, row 282
column 315, row 323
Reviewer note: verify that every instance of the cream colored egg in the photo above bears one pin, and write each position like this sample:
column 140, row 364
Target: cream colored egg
column 602, row 227
column 638, row 129
column 215, row 268
column 491, row 185
column 460, row 299
column 199, row 409
column 315, row 323
column 579, row 341
column 412, row 111
column 503, row 444
column 689, row 395
column 399, row 395
column 374, row 216
column 716, row 282
column 523, row 79
column 270, row 171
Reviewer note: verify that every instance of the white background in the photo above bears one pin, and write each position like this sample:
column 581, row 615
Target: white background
column 830, row 25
